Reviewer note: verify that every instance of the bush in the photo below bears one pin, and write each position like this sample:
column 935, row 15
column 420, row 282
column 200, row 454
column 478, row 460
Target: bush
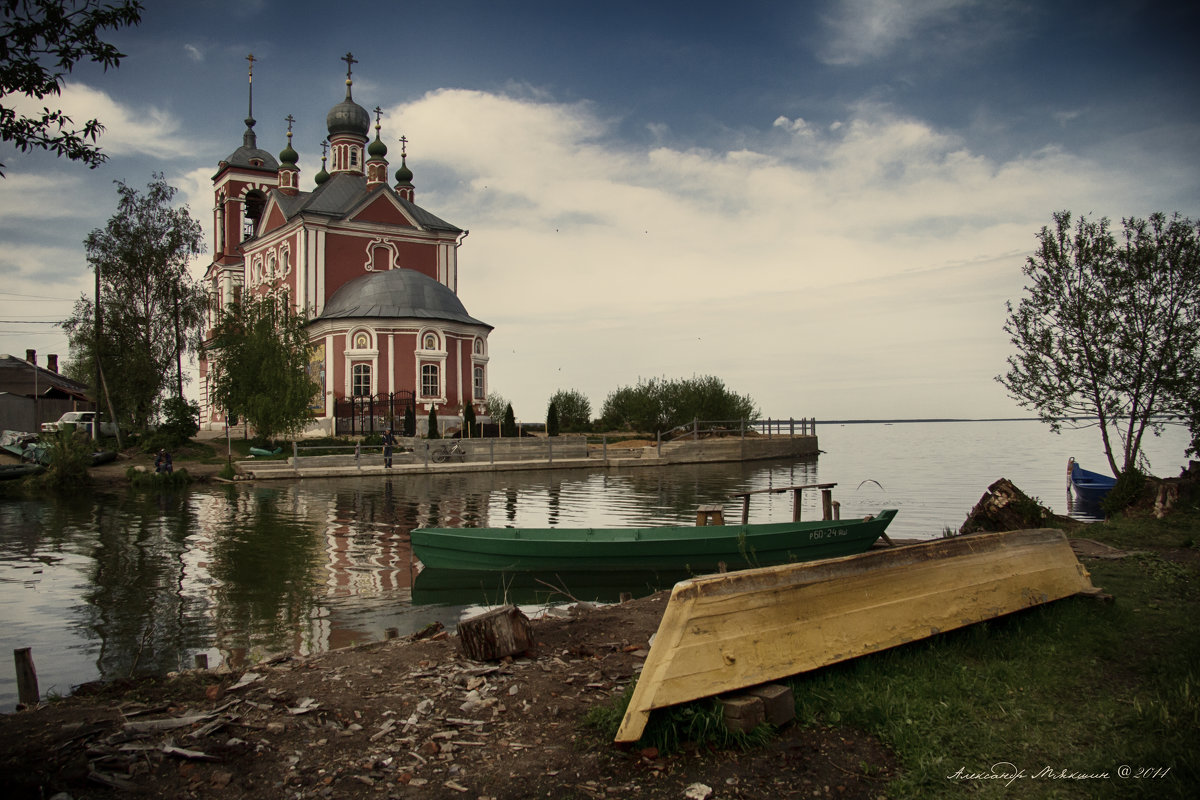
column 658, row 405
column 70, row 454
column 574, row 411
column 1129, row 488
column 181, row 421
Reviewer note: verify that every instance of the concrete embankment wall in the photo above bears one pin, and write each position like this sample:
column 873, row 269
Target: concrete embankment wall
column 752, row 448
column 561, row 452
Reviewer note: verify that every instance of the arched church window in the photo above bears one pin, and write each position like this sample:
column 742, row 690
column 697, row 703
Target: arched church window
column 479, row 347
column 479, row 393
column 271, row 268
column 430, row 385
column 362, row 380
column 353, row 156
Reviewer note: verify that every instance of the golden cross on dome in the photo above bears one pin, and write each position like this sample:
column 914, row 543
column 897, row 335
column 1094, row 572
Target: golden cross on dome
column 350, row 62
column 403, row 146
column 378, row 113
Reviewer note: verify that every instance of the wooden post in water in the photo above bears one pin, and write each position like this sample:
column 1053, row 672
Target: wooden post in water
column 826, row 504
column 27, row 684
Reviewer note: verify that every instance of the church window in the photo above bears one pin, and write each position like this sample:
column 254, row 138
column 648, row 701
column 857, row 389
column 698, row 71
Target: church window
column 271, row 268
column 479, row 394
column 353, row 156
column 479, row 347
column 430, row 385
column 362, row 380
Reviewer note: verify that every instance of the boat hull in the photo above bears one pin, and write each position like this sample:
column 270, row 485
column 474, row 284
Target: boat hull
column 690, row 548
column 1090, row 487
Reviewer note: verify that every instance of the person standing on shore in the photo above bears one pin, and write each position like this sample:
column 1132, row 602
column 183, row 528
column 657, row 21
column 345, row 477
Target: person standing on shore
column 389, row 441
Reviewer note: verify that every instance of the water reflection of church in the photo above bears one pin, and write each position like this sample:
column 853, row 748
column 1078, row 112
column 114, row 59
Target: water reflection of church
column 321, row 562
column 377, row 274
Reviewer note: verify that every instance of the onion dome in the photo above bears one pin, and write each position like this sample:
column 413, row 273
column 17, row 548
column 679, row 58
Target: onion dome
column 377, row 149
column 404, row 174
column 348, row 117
column 288, row 157
column 321, row 176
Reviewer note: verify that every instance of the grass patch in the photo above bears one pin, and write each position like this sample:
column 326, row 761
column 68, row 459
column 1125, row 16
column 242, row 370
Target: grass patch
column 1076, row 687
column 1074, row 699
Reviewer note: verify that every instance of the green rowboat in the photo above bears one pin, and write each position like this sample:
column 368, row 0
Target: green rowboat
column 696, row 549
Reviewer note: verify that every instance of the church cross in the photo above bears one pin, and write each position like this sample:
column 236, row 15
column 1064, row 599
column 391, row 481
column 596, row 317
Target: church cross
column 350, row 62
column 250, row 111
column 289, row 119
column 403, row 146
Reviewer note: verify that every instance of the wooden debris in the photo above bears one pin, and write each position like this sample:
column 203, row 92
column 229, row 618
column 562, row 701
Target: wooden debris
column 495, row 634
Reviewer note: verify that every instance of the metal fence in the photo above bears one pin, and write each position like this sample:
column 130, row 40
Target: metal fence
column 366, row 414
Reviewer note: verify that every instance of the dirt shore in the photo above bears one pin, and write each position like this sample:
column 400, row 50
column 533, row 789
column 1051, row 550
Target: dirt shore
column 410, row 718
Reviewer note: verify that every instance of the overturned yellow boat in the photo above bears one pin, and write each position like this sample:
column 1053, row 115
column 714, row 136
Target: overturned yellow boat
column 725, row 632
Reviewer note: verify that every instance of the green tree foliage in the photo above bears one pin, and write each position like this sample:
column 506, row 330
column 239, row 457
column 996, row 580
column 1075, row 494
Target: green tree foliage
column 151, row 309
column 574, row 410
column 552, row 420
column 410, row 421
column 40, row 42
column 258, row 357
column 495, row 407
column 659, row 404
column 1109, row 329
column 470, row 426
column 180, row 422
column 431, row 428
column 509, row 425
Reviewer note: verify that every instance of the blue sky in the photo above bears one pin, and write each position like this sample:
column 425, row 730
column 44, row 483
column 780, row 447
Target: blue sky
column 825, row 204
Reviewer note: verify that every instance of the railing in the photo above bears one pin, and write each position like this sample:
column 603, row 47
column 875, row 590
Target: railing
column 416, row 450
column 698, row 428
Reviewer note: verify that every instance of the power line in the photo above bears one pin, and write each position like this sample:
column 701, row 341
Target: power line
column 40, row 296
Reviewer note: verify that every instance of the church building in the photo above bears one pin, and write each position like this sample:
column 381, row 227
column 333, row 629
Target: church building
column 376, row 273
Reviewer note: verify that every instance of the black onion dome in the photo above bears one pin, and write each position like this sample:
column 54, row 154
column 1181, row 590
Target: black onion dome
column 397, row 293
column 348, row 117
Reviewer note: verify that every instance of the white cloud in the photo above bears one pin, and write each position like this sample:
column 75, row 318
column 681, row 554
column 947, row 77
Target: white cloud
column 878, row 251
column 194, row 53
column 127, row 130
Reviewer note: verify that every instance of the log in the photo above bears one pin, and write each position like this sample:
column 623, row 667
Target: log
column 495, row 634
column 27, row 683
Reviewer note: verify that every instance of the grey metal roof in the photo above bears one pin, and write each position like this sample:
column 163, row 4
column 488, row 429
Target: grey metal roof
column 397, row 293
column 344, row 192
column 243, row 155
column 17, row 377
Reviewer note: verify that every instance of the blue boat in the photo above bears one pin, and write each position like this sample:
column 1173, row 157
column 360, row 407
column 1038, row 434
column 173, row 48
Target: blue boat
column 1089, row 487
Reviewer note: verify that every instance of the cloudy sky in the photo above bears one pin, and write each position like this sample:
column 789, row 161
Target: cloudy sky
column 826, row 204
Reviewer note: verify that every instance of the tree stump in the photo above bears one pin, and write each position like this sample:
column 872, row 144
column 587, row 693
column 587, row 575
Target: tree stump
column 495, row 634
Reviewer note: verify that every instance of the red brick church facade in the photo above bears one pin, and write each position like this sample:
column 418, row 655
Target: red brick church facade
column 376, row 273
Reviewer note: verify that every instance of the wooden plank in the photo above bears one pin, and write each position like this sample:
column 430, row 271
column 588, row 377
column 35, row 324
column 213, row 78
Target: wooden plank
column 726, row 632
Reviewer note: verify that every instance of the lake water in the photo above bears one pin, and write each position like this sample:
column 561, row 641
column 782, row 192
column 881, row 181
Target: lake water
column 109, row 584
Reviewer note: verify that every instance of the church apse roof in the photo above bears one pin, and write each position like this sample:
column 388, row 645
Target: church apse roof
column 397, row 293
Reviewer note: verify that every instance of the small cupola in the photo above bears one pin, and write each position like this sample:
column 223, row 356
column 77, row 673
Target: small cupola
column 289, row 172
column 404, row 175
